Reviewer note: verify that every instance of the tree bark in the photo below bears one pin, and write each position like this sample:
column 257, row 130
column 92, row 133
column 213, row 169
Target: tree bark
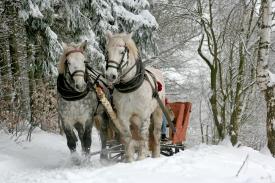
column 263, row 72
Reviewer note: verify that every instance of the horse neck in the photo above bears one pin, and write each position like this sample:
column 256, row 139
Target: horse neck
column 131, row 74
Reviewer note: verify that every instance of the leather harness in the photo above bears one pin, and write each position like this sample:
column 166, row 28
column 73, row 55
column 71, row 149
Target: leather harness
column 136, row 82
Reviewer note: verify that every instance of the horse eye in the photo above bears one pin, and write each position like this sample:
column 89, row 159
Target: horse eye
column 121, row 52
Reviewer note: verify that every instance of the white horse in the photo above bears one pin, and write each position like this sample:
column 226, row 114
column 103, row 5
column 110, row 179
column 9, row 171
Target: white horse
column 133, row 95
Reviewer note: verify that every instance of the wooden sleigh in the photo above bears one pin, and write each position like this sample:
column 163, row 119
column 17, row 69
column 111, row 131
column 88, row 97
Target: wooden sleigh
column 176, row 141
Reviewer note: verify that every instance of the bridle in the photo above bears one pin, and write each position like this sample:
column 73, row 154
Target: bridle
column 119, row 66
column 76, row 72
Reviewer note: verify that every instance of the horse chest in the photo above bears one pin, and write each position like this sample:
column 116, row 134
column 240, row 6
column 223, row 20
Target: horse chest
column 135, row 102
column 80, row 110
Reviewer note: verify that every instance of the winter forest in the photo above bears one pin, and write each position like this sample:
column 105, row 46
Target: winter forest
column 216, row 54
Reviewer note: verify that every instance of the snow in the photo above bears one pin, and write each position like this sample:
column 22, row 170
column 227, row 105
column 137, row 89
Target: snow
column 55, row 49
column 143, row 18
column 271, row 79
column 273, row 124
column 136, row 4
column 24, row 15
column 46, row 159
column 173, row 75
column 34, row 10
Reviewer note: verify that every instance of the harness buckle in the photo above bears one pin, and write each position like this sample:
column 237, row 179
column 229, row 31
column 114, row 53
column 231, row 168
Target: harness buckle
column 155, row 94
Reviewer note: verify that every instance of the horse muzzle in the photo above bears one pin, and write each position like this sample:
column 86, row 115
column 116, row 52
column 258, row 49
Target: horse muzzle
column 112, row 75
column 79, row 83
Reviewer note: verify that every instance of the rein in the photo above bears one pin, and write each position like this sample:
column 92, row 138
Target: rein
column 156, row 96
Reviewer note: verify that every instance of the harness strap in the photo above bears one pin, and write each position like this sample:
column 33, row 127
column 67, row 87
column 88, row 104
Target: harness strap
column 74, row 51
column 67, row 92
column 76, row 73
column 110, row 64
column 95, row 75
column 119, row 66
column 123, row 75
column 134, row 83
column 156, row 95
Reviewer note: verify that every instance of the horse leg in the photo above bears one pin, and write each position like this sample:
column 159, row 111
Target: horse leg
column 80, row 131
column 129, row 149
column 103, row 120
column 126, row 137
column 143, row 143
column 87, row 140
column 71, row 139
column 157, row 122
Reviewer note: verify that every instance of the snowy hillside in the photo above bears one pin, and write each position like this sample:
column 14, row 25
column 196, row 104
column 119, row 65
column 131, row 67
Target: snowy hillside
column 46, row 159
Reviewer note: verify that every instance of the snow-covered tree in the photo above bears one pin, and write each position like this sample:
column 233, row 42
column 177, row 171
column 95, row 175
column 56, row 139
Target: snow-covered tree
column 265, row 78
column 42, row 25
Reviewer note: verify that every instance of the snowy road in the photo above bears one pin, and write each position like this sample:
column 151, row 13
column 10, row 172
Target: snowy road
column 46, row 159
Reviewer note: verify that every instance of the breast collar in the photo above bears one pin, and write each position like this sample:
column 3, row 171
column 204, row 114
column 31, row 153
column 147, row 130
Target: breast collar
column 135, row 82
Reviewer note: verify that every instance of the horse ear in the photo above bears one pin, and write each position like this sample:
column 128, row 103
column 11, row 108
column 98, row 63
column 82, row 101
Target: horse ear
column 83, row 45
column 109, row 35
column 64, row 45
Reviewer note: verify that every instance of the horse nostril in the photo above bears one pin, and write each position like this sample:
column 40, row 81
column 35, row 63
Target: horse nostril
column 113, row 76
column 77, row 86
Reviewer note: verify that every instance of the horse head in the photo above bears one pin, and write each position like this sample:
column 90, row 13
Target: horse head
column 72, row 65
column 121, row 52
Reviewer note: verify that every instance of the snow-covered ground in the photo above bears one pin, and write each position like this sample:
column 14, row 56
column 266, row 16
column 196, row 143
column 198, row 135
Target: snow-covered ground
column 47, row 159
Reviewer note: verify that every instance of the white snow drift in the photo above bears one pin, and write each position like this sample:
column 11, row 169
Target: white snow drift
column 47, row 160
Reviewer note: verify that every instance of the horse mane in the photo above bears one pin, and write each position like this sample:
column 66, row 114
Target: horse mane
column 130, row 44
column 62, row 59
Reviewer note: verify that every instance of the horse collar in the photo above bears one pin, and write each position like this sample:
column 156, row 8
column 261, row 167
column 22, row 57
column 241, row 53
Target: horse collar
column 67, row 91
column 135, row 82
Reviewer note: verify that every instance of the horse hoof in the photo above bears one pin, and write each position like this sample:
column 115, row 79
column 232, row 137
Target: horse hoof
column 75, row 159
column 155, row 155
column 104, row 162
column 129, row 160
column 141, row 157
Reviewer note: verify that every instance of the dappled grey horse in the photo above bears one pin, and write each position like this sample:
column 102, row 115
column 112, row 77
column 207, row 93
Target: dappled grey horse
column 77, row 100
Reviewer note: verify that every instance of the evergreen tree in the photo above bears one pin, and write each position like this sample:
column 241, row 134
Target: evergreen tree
column 32, row 34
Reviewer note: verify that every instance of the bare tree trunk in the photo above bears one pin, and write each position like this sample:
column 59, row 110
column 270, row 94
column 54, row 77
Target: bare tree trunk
column 213, row 65
column 201, row 124
column 4, row 67
column 235, row 116
column 263, row 73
